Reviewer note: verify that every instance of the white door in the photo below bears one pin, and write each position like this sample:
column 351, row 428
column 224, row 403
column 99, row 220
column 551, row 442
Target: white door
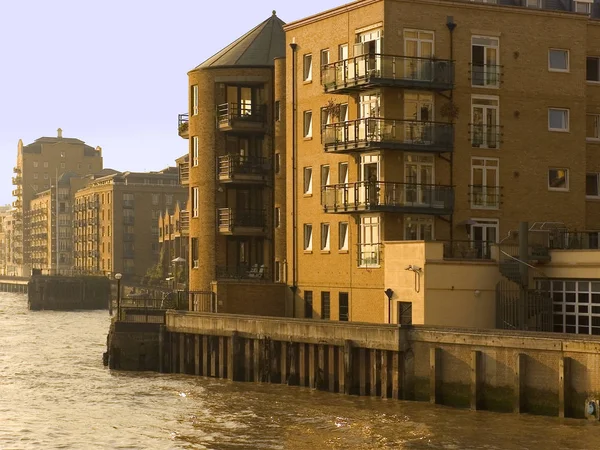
column 418, row 178
column 418, row 113
column 485, row 177
column 370, row 238
column 369, row 186
column 484, row 117
column 342, row 69
column 484, row 61
column 484, row 233
column 369, row 107
column 368, row 53
column 418, row 50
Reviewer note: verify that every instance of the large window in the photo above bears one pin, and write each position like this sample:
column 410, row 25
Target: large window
column 324, row 57
column 485, row 122
column 582, row 7
column 325, row 305
column 485, row 65
column 576, row 306
column 558, row 179
column 307, row 68
column 344, row 307
column 558, row 60
column 195, row 252
column 485, row 189
column 558, row 119
column 325, row 178
column 307, row 237
column 592, row 127
column 194, row 99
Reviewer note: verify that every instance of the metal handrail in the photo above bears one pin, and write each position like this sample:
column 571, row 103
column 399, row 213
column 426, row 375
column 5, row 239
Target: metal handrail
column 485, row 197
column 232, row 164
column 393, row 131
column 485, row 136
column 231, row 218
column 227, row 112
column 485, row 75
column 466, row 249
column 391, row 67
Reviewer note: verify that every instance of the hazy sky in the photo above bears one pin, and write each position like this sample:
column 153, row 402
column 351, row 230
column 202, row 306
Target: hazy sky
column 113, row 73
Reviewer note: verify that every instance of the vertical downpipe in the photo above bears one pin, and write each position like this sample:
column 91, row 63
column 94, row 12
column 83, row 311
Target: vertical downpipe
column 451, row 26
column 294, row 47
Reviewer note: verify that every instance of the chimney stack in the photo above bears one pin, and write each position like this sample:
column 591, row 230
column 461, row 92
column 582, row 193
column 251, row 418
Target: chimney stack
column 59, row 133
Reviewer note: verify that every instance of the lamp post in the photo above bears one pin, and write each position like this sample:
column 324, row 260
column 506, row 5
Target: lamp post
column 118, row 277
column 175, row 262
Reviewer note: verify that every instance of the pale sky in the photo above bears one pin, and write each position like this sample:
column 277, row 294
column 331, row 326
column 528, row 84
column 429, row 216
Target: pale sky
column 113, row 73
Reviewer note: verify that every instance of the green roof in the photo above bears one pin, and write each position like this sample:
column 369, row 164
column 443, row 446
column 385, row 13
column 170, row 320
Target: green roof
column 257, row 48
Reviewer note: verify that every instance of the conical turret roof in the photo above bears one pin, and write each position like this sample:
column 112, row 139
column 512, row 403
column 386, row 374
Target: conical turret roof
column 257, row 48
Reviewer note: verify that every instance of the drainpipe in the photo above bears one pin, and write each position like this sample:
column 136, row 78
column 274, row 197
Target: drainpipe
column 451, row 27
column 294, row 47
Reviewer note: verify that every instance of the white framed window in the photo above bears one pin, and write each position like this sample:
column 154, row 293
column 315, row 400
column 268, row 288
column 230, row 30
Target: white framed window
column 576, row 306
column 592, row 127
column 558, row 60
column 485, row 186
column 342, row 52
column 307, row 67
column 418, row 228
column 325, row 118
column 62, row 165
column 195, row 151
column 195, row 202
column 277, row 112
column 194, row 99
column 307, row 124
column 369, row 246
column 592, row 185
column 155, row 199
column 582, row 7
column 325, row 175
column 534, row 4
column 485, row 122
column 558, row 179
column 45, row 176
column 307, row 180
column 343, row 236
column 307, row 237
column 277, row 162
column 35, row 164
column 558, row 119
column 325, row 237
column 324, row 57
column 592, row 69
column 343, row 173
column 485, row 61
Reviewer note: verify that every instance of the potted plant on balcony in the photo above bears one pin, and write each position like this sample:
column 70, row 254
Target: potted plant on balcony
column 183, row 127
column 333, row 111
column 449, row 110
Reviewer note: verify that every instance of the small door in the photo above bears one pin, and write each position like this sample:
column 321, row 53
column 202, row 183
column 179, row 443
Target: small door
column 418, row 176
column 418, row 113
column 484, row 233
column 418, row 50
column 369, row 180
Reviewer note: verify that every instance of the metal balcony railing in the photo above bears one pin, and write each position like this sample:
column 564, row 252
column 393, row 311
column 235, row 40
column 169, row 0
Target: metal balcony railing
column 231, row 219
column 183, row 122
column 128, row 203
column 243, row 167
column 17, row 180
column 229, row 113
column 485, row 197
column 575, row 240
column 468, row 249
column 485, row 75
column 371, row 70
column 388, row 196
column 244, row 271
column 376, row 132
column 485, row 136
column 128, row 220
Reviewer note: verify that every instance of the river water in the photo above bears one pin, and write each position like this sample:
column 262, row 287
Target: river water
column 55, row 393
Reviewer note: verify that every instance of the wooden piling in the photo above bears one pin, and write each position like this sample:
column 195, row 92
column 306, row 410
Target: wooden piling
column 161, row 348
column 197, row 354
column 321, row 375
column 362, row 368
column 434, row 370
column 256, row 352
column 396, row 375
column 519, row 371
column 205, row 355
column 248, row 360
column 564, row 386
column 222, row 357
column 373, row 365
column 476, row 361
column 231, row 356
column 283, row 362
column 384, row 374
column 213, row 356
column 182, row 353
column 331, row 368
column 311, row 366
column 346, row 376
column 302, row 364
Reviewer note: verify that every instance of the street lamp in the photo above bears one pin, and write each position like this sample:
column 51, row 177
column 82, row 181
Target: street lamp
column 118, row 277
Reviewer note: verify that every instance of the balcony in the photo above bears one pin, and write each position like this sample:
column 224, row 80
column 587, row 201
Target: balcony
column 185, row 223
column 575, row 240
column 183, row 125
column 469, row 250
column 485, row 75
column 184, row 174
column 17, row 204
column 17, row 192
column 128, row 220
column 17, row 180
column 382, row 196
column 485, row 197
column 377, row 133
column 243, row 272
column 128, row 203
column 242, row 222
column 236, row 168
column 128, row 237
column 376, row 70
column 242, row 117
column 485, row 136
column 17, row 170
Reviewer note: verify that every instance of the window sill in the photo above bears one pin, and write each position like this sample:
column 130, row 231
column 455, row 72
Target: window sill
column 306, row 195
column 592, row 198
column 593, row 83
column 343, row 252
column 308, row 138
column 325, row 252
column 309, row 81
column 557, row 190
column 479, row 86
column 557, row 130
column 593, row 140
column 308, row 252
column 370, row 267
column 559, row 70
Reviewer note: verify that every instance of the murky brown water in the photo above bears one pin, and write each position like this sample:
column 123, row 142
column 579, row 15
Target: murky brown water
column 55, row 393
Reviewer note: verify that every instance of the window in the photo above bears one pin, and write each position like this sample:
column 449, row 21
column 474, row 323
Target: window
column 576, row 306
column 277, row 217
column 343, row 173
column 35, row 164
column 582, row 7
column 342, row 52
column 324, row 57
column 307, row 124
column 46, row 164
column 325, row 179
column 45, row 176
column 558, row 119
column 485, row 64
column 195, row 201
column 591, row 185
column 194, row 100
column 418, row 228
column 592, row 69
column 195, row 253
column 404, row 313
column 62, row 154
column 168, row 199
column 558, row 179
column 155, row 199
column 62, row 165
column 485, row 189
column 368, row 248
column 533, row 4
column 558, row 60
column 325, row 118
column 485, row 121
column 325, row 305
column 307, row 180
column 344, row 310
column 277, row 112
column 592, row 127
column 343, row 236
column 79, row 165
column 307, row 237
column 195, row 151
column 307, row 68
column 277, row 162
column 308, row 305
column 35, row 176
column 325, row 237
